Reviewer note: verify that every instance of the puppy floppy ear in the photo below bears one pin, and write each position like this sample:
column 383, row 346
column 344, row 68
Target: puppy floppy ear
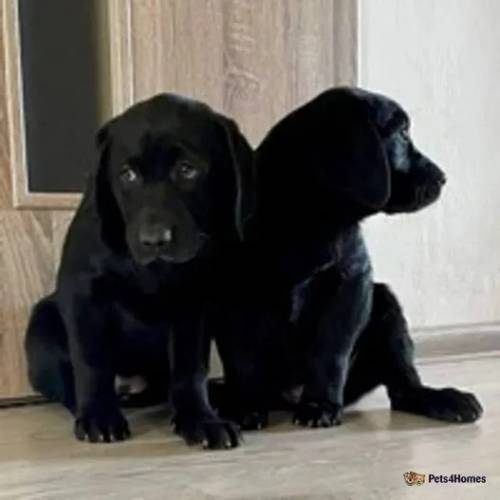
column 110, row 219
column 329, row 145
column 240, row 156
column 356, row 160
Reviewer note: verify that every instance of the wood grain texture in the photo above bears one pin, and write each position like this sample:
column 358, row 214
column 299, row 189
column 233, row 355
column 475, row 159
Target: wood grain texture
column 253, row 59
column 257, row 74
column 364, row 458
column 60, row 223
column 5, row 185
column 345, row 42
column 15, row 107
column 176, row 47
column 120, row 54
column 26, row 270
column 17, row 169
column 46, row 201
column 26, row 247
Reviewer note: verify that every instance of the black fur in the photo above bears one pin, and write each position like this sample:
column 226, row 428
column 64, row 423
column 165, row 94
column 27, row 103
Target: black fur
column 169, row 193
column 308, row 314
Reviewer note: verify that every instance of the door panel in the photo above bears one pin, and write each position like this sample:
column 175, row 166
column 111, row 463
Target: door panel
column 5, row 187
column 252, row 59
column 26, row 270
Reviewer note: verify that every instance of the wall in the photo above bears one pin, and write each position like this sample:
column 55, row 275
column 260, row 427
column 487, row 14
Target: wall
column 440, row 59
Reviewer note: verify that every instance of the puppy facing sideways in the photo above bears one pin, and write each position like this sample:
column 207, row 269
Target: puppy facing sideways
column 308, row 313
column 167, row 196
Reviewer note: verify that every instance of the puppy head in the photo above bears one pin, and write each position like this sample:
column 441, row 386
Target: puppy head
column 325, row 163
column 173, row 176
column 415, row 181
column 347, row 154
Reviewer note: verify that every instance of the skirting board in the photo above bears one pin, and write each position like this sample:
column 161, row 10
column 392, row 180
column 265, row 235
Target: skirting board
column 433, row 345
column 437, row 344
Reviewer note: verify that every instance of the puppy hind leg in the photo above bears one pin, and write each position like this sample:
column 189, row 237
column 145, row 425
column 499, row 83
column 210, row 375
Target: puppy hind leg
column 49, row 367
column 383, row 354
column 392, row 356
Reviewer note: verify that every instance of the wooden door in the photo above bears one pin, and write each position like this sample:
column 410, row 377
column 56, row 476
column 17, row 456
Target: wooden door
column 252, row 59
column 27, row 256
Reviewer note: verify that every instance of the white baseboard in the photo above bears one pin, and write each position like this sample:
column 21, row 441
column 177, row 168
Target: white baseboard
column 434, row 344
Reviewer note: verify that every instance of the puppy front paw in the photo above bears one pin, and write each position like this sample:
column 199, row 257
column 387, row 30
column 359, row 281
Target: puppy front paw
column 247, row 419
column 318, row 414
column 252, row 420
column 448, row 404
column 210, row 431
column 101, row 426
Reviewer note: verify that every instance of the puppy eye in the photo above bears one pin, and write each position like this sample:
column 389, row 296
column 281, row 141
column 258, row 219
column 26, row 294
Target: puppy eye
column 187, row 171
column 405, row 134
column 129, row 175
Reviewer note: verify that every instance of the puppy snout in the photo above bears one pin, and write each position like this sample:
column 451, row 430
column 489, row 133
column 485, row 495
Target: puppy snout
column 435, row 173
column 156, row 237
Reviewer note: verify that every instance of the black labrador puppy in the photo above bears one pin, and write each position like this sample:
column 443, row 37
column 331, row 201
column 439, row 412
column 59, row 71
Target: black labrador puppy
column 309, row 314
column 168, row 196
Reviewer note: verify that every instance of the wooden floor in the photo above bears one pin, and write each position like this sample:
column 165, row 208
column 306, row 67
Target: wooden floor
column 363, row 459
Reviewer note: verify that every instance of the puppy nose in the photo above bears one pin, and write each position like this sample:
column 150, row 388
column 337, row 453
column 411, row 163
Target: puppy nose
column 443, row 180
column 156, row 236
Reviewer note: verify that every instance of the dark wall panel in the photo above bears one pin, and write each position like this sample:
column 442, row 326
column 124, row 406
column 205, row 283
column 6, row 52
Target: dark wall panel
column 60, row 87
